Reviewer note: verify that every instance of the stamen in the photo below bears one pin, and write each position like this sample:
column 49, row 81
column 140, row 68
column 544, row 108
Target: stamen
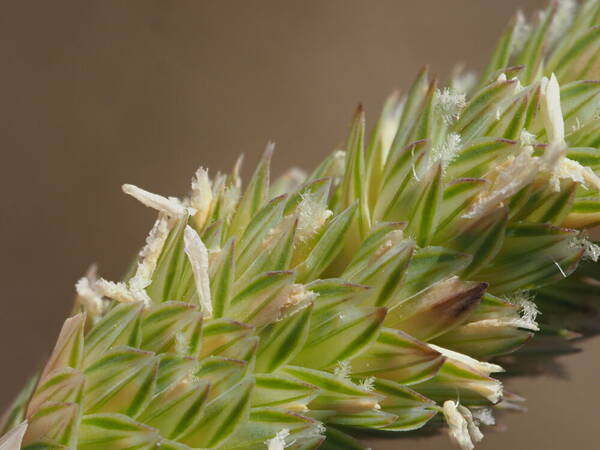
column 89, row 298
column 150, row 253
column 201, row 197
column 482, row 367
column 562, row 272
column 171, row 206
column 458, row 425
column 197, row 254
column 552, row 111
column 119, row 292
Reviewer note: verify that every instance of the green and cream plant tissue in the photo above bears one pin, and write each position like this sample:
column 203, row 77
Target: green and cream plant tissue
column 372, row 293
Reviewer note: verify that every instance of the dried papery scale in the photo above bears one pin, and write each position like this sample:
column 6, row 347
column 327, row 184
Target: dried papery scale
column 368, row 295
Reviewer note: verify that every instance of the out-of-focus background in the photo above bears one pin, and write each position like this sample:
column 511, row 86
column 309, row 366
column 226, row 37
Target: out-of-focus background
column 97, row 93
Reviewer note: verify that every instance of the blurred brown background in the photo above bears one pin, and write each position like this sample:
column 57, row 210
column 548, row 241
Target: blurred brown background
column 98, row 93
